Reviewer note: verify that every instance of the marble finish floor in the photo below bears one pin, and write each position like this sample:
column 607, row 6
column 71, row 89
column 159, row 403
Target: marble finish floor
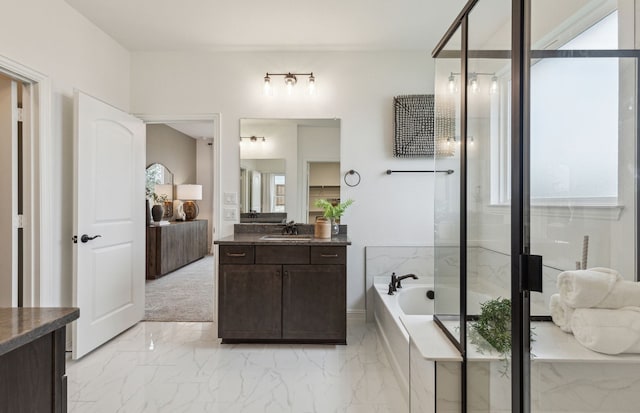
column 182, row 367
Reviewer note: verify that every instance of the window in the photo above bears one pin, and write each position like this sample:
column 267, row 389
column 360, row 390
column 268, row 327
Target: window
column 574, row 125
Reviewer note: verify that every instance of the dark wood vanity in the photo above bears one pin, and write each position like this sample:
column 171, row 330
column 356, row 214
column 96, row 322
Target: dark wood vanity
column 172, row 246
column 32, row 359
column 282, row 291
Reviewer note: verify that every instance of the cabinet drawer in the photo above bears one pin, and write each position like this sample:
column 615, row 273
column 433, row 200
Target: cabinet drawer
column 328, row 255
column 282, row 254
column 236, row 254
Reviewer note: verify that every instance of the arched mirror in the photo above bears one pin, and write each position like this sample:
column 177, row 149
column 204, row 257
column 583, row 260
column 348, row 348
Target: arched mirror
column 159, row 187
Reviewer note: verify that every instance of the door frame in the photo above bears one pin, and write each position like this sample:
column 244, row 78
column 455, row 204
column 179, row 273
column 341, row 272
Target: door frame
column 217, row 176
column 38, row 259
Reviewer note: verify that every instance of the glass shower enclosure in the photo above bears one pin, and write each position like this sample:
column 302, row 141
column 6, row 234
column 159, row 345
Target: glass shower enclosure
column 536, row 113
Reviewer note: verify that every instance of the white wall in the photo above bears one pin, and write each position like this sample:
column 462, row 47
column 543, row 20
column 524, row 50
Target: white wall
column 357, row 88
column 50, row 37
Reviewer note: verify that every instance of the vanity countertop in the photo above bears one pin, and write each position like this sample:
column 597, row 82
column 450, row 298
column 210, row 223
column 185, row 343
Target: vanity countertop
column 252, row 238
column 19, row 326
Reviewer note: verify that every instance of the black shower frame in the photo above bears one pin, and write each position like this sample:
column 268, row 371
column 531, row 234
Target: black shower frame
column 520, row 56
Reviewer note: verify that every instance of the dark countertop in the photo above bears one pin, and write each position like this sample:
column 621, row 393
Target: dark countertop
column 19, row 326
column 252, row 238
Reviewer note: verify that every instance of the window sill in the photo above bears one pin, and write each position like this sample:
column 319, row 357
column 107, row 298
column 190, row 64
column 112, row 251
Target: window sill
column 575, row 210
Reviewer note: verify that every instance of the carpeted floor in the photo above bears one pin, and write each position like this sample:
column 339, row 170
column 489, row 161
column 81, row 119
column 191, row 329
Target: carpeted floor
column 183, row 295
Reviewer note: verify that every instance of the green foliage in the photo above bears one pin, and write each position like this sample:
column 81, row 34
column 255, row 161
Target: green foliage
column 492, row 331
column 333, row 211
column 494, row 324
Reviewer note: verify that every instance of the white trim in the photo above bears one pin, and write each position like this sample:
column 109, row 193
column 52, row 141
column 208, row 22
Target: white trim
column 217, row 178
column 359, row 315
column 39, row 252
column 601, row 212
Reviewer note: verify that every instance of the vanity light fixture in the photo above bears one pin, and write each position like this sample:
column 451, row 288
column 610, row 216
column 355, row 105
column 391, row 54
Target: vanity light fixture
column 474, row 84
column 254, row 138
column 290, row 80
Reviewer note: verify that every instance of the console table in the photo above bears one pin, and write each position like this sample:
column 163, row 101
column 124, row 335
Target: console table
column 32, row 359
column 172, row 246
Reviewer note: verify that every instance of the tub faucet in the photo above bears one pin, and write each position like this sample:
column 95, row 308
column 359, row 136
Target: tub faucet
column 402, row 277
column 393, row 283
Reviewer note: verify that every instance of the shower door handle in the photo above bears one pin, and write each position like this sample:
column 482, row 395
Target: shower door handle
column 531, row 272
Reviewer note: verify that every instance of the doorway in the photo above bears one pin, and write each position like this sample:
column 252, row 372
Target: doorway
column 181, row 286
column 25, row 161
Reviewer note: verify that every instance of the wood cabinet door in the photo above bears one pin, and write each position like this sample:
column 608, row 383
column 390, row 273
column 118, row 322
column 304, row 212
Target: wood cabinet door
column 314, row 302
column 250, row 302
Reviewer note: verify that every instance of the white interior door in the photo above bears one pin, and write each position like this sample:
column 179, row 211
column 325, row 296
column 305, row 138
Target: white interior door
column 109, row 272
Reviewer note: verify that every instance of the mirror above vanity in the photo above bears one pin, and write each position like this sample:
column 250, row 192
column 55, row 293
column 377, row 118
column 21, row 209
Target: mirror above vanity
column 285, row 164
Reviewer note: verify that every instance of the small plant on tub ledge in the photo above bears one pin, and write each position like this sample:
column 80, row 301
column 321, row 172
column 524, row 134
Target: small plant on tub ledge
column 333, row 212
column 492, row 330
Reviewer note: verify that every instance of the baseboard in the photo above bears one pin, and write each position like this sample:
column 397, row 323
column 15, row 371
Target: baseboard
column 359, row 315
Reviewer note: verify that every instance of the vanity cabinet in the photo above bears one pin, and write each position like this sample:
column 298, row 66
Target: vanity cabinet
column 289, row 293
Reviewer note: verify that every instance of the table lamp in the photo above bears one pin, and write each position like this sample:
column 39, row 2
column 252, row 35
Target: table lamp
column 190, row 193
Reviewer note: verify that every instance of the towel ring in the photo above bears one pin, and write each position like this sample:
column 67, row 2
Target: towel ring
column 352, row 178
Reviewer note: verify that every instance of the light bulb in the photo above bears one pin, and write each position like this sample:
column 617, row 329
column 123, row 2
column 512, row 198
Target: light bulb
column 312, row 84
column 452, row 84
column 290, row 80
column 473, row 82
column 267, row 85
column 494, row 85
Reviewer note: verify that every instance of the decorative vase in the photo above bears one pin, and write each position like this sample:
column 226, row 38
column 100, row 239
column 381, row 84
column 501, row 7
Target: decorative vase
column 335, row 227
column 322, row 228
column 157, row 212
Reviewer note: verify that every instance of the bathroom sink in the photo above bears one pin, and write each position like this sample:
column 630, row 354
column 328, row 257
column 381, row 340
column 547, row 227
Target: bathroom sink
column 286, row 237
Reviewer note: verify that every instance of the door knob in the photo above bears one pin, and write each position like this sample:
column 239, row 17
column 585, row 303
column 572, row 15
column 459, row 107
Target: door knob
column 86, row 238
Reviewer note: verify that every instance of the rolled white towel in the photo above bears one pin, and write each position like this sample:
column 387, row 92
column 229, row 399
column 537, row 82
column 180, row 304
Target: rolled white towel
column 587, row 288
column 608, row 331
column 560, row 313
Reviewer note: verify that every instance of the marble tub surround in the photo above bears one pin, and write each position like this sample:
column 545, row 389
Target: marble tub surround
column 381, row 261
column 563, row 377
column 435, row 367
column 181, row 367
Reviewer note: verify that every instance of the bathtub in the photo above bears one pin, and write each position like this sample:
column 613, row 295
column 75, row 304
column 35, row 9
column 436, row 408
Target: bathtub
column 410, row 300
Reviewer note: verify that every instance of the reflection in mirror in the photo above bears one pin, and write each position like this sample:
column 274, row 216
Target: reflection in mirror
column 159, row 186
column 262, row 185
column 278, row 163
column 159, row 178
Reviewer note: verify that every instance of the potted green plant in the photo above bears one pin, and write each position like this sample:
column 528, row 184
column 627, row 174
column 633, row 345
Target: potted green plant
column 333, row 212
column 492, row 330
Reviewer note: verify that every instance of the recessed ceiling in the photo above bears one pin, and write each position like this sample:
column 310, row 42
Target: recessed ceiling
column 164, row 25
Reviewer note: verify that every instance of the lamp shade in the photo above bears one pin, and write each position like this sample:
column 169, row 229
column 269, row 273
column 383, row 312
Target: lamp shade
column 189, row 192
column 164, row 189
